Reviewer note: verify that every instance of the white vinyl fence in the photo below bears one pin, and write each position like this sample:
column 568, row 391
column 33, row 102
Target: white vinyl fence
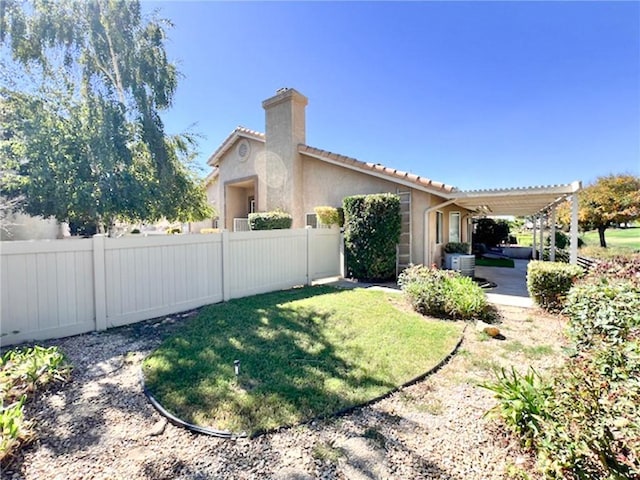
column 56, row 288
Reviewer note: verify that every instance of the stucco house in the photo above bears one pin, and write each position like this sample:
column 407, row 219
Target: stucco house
column 253, row 171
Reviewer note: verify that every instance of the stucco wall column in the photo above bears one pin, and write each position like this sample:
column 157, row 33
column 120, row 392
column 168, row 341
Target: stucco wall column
column 282, row 165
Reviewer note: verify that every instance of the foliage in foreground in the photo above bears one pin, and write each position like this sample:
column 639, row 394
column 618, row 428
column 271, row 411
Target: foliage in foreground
column 22, row 373
column 443, row 293
column 523, row 401
column 585, row 421
column 303, row 353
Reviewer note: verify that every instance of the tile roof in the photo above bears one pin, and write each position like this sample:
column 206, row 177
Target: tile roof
column 377, row 169
column 365, row 167
column 228, row 142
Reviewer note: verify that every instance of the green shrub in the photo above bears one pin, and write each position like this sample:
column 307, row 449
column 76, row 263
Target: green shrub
column 22, row 372
column 174, row 230
column 602, row 310
column 523, row 402
column 617, row 267
column 443, row 293
column 327, row 215
column 562, row 240
column 14, row 430
column 594, row 429
column 457, row 247
column 562, row 256
column 549, row 282
column 589, row 415
column 372, row 230
column 274, row 220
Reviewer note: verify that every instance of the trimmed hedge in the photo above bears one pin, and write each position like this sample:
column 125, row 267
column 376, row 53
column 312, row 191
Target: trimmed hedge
column 457, row 247
column 274, row 220
column 372, row 230
column 327, row 215
column 549, row 282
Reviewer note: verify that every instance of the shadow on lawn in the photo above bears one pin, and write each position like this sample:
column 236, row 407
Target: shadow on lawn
column 291, row 371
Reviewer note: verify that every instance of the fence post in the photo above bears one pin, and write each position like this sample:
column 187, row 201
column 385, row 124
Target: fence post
column 226, row 284
column 341, row 258
column 99, row 282
column 309, row 253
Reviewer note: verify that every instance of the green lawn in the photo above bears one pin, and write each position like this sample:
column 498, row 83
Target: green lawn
column 304, row 352
column 627, row 238
column 624, row 238
column 495, row 262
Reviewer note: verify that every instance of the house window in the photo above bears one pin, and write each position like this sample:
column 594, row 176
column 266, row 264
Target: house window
column 439, row 222
column 311, row 220
column 454, row 226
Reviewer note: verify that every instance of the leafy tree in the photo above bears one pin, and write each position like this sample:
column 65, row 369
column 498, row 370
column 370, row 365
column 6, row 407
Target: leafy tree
column 490, row 232
column 611, row 200
column 81, row 127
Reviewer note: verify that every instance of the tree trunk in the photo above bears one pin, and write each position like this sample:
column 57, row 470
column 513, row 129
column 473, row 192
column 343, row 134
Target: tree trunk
column 603, row 242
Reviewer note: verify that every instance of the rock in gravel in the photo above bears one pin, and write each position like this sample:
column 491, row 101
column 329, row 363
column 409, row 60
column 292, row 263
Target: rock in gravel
column 158, row 428
column 490, row 330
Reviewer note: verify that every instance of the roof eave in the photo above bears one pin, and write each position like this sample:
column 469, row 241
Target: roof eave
column 238, row 132
column 378, row 171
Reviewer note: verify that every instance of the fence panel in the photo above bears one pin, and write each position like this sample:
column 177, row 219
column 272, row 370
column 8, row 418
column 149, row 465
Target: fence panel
column 52, row 289
column 47, row 289
column 324, row 253
column 148, row 277
column 264, row 261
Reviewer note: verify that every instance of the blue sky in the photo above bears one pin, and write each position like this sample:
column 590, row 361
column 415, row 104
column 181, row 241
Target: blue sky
column 473, row 94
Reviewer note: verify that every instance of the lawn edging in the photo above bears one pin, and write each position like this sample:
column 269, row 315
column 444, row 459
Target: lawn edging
column 228, row 435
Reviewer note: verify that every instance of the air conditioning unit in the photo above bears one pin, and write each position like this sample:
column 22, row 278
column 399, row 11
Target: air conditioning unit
column 465, row 264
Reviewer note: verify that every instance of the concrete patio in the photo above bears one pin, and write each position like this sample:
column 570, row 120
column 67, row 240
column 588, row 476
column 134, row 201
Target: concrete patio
column 511, row 284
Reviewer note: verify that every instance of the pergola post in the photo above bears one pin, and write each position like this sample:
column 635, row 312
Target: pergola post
column 534, row 244
column 552, row 250
column 541, row 256
column 573, row 255
column 534, row 249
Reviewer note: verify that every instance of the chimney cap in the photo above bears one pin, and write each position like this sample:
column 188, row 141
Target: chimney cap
column 285, row 94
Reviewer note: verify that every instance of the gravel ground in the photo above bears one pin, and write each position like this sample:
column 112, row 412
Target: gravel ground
column 101, row 426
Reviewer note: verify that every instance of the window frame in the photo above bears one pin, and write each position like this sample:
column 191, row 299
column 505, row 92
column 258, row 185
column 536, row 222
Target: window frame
column 452, row 215
column 439, row 227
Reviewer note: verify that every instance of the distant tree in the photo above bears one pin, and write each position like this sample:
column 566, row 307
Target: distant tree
column 81, row 127
column 611, row 200
column 490, row 232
